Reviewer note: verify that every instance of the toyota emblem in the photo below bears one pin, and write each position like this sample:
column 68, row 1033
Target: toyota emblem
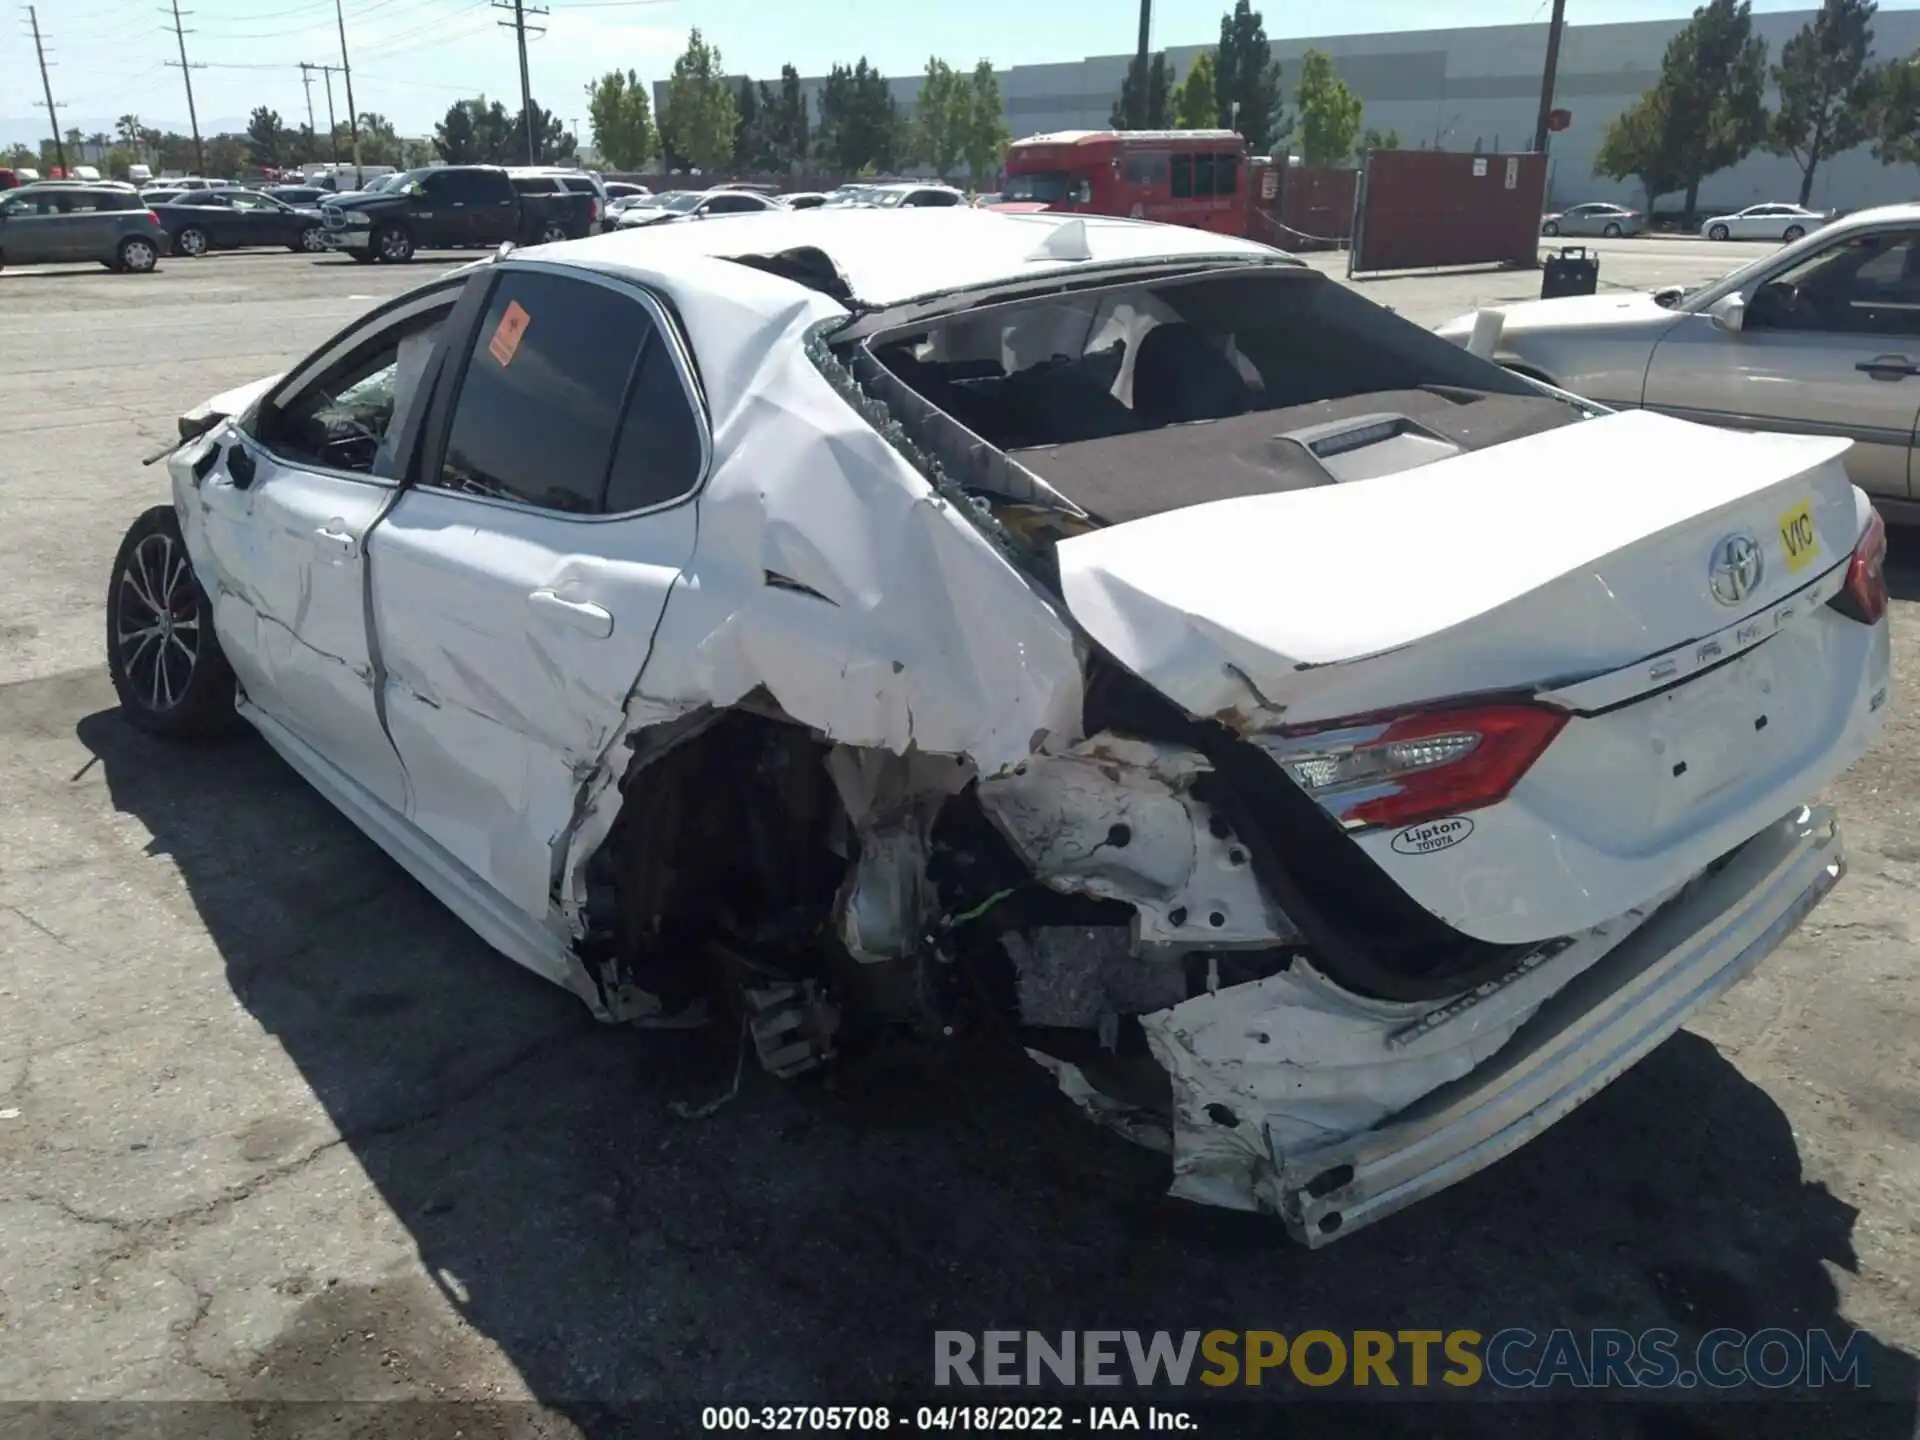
column 1734, row 572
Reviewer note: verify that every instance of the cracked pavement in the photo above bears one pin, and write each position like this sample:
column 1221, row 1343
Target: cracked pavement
column 275, row 1127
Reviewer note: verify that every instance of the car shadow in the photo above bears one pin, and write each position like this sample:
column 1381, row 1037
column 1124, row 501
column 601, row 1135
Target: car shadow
column 1903, row 562
column 802, row 1242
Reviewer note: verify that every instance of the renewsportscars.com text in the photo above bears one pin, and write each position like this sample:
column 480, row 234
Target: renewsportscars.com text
column 1510, row 1359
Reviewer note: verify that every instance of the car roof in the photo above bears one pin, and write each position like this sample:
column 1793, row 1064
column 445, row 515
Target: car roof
column 885, row 262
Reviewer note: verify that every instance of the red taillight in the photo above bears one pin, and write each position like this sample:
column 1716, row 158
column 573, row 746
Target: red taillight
column 1864, row 595
column 153, row 217
column 1424, row 765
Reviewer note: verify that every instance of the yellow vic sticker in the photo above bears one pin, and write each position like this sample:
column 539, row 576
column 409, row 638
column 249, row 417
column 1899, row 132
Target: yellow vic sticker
column 1798, row 537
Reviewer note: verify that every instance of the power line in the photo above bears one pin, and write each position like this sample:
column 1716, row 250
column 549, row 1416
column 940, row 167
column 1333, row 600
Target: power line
column 186, row 74
column 46, row 86
column 520, row 11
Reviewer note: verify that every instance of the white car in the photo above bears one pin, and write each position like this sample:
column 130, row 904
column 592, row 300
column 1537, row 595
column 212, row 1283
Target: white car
column 676, row 205
column 911, row 196
column 1764, row 222
column 1331, row 755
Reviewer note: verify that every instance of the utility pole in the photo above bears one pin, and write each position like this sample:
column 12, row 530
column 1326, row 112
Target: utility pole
column 1541, row 127
column 333, row 126
column 186, row 74
column 46, row 88
column 1142, row 95
column 353, row 115
column 518, row 25
column 306, row 82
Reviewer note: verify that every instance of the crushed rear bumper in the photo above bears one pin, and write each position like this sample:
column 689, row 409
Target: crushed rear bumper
column 1579, row 1038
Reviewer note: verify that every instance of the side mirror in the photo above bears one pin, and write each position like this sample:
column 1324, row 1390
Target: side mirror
column 1729, row 312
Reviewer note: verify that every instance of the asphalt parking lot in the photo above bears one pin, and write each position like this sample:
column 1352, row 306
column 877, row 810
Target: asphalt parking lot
column 274, row 1126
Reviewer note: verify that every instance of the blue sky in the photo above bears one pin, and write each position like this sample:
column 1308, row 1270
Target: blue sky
column 414, row 57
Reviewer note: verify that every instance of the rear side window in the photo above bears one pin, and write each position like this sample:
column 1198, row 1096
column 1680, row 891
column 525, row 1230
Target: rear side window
column 1183, row 177
column 534, row 184
column 570, row 402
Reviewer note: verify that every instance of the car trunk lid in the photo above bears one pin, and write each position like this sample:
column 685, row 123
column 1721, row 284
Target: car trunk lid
column 1657, row 587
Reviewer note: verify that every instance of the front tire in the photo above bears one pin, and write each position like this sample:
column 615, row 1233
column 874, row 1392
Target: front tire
column 313, row 240
column 1550, row 228
column 1612, row 231
column 166, row 664
column 1718, row 232
column 1793, row 233
column 192, row 242
column 137, row 255
column 393, row 244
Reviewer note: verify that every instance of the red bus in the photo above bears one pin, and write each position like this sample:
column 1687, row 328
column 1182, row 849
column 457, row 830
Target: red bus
column 1178, row 177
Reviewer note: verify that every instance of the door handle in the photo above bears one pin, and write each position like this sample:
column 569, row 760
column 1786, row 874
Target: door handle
column 328, row 537
column 581, row 615
column 1888, row 367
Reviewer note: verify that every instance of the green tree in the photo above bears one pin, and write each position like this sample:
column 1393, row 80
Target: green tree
column 787, row 130
column 1195, row 105
column 1827, row 92
column 478, row 132
column 746, row 127
column 942, row 114
column 621, row 117
column 1638, row 144
column 98, row 142
column 264, row 134
column 19, row 155
column 836, row 98
column 699, row 117
column 1246, row 77
column 1329, row 112
column 552, row 142
column 1895, row 121
column 873, row 133
column 127, row 131
column 1374, row 140
column 120, row 162
column 1156, row 87
column 226, row 155
column 985, row 144
column 1712, row 80
column 379, row 140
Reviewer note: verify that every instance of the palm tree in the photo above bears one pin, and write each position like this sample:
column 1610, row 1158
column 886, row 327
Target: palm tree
column 127, row 127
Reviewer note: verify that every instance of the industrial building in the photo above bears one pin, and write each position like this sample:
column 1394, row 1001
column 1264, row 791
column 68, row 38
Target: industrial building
column 1480, row 87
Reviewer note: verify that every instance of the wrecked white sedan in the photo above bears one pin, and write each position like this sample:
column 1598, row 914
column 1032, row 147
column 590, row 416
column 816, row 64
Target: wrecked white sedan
column 1336, row 756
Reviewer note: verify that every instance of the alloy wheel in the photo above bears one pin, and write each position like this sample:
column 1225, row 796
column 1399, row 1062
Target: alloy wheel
column 313, row 240
column 157, row 622
column 192, row 242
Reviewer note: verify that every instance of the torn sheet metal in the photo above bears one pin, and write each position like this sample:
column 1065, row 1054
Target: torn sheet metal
column 1116, row 818
column 893, row 800
column 1271, row 1070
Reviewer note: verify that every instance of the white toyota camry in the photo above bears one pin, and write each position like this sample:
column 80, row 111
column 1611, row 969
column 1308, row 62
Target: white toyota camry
column 1332, row 756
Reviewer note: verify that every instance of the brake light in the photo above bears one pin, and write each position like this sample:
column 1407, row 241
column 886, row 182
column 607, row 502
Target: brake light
column 1863, row 596
column 1421, row 766
column 594, row 207
column 153, row 217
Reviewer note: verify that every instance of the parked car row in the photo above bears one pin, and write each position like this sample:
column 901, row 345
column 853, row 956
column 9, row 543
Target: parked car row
column 1773, row 221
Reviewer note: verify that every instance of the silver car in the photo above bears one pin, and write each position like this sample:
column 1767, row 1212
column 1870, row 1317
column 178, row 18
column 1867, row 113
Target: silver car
column 1821, row 337
column 1596, row 218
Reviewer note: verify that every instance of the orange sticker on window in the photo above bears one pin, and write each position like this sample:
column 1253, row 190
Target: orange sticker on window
column 507, row 334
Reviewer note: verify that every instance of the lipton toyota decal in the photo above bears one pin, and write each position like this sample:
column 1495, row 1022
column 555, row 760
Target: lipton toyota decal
column 1434, row 835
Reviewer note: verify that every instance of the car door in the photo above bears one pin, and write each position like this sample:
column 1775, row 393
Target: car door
column 281, row 526
column 1828, row 345
column 518, row 581
column 260, row 221
column 486, row 209
column 35, row 231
